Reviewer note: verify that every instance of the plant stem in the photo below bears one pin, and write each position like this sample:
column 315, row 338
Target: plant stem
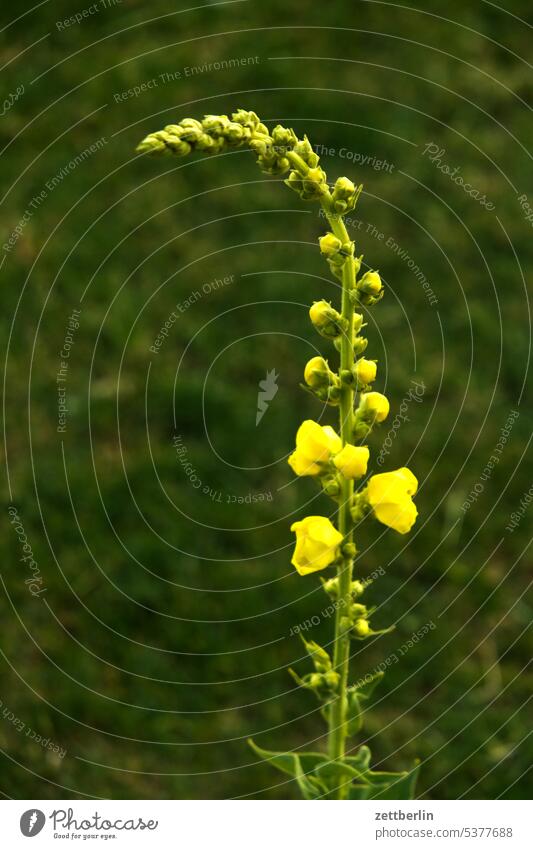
column 341, row 657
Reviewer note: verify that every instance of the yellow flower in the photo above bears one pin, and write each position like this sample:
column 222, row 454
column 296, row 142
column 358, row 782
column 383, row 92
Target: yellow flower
column 314, row 446
column 317, row 373
column 389, row 494
column 352, row 461
column 375, row 403
column 317, row 542
column 365, row 371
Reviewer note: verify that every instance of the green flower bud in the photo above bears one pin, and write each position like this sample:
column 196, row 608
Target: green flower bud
column 284, row 138
column 359, row 345
column 305, row 151
column 361, row 628
column 331, row 486
column 326, row 319
column 365, row 372
column 190, row 130
column 345, row 195
column 349, row 550
column 317, row 373
column 360, row 506
column 357, row 588
column 329, row 245
column 370, row 283
column 369, row 288
column 153, row 145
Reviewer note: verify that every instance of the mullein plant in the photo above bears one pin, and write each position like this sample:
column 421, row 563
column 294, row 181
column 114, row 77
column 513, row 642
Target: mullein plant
column 337, row 460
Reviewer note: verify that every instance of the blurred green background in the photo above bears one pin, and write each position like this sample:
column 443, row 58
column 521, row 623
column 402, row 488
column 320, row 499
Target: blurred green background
column 161, row 633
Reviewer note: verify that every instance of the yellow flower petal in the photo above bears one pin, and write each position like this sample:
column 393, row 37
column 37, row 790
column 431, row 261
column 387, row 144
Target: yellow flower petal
column 317, row 541
column 389, row 494
column 352, row 461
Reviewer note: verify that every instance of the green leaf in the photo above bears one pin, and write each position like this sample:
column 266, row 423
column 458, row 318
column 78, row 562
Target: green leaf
column 356, row 694
column 360, row 761
column 319, row 656
column 359, row 791
column 298, row 766
column 354, row 714
column 368, row 685
column 335, row 773
column 393, row 785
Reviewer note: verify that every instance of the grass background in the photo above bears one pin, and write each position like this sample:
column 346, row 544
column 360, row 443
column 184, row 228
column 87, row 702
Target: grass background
column 163, row 638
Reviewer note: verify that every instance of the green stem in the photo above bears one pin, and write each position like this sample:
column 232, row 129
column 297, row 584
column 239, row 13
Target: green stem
column 341, row 654
column 341, row 657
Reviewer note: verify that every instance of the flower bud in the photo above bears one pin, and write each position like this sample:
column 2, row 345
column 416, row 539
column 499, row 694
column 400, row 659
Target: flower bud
column 329, row 245
column 283, row 138
column 374, row 406
column 317, row 373
column 345, row 195
column 305, row 151
column 359, row 345
column 358, row 320
column 331, row 486
column 250, row 120
column 191, row 130
column 370, row 288
column 314, row 184
column 357, row 588
column 365, row 372
column 371, row 283
column 361, row 627
column 326, row 319
column 349, row 550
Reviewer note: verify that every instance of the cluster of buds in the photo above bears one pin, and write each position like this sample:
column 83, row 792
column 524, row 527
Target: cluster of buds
column 211, row 135
column 355, row 622
column 324, row 681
